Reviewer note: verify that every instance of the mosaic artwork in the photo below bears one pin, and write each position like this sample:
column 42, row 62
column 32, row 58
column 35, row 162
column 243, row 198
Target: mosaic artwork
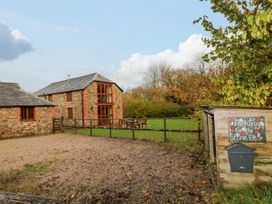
column 247, row 129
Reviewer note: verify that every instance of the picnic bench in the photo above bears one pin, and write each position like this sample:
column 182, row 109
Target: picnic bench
column 132, row 123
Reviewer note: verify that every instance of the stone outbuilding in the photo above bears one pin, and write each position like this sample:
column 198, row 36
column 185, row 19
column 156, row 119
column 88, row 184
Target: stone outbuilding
column 23, row 114
column 83, row 98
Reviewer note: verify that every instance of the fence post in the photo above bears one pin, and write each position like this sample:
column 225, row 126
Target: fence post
column 110, row 130
column 133, row 131
column 75, row 125
column 199, row 130
column 91, row 128
column 164, row 130
column 61, row 123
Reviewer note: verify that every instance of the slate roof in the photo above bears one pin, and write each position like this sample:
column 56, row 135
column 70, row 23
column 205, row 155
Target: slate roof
column 73, row 84
column 11, row 95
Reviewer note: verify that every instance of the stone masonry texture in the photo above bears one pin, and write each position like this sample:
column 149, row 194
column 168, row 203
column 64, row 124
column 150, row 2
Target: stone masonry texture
column 11, row 124
column 89, row 106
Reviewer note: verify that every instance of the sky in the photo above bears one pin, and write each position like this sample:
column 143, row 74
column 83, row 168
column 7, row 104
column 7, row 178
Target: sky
column 45, row 41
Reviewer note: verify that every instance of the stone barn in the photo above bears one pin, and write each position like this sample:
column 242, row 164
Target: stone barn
column 87, row 97
column 22, row 114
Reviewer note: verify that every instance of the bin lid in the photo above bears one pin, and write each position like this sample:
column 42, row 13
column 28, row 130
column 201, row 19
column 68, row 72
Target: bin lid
column 240, row 148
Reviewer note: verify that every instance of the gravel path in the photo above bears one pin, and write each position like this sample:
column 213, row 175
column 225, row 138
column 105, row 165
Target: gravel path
column 86, row 169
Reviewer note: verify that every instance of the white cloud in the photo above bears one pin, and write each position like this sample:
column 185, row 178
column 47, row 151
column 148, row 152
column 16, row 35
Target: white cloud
column 67, row 29
column 12, row 43
column 131, row 71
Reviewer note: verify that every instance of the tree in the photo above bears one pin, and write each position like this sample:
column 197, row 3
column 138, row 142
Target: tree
column 154, row 74
column 199, row 64
column 245, row 46
column 193, row 88
column 150, row 102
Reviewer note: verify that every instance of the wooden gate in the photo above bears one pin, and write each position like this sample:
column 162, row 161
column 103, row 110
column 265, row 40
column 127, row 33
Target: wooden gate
column 57, row 125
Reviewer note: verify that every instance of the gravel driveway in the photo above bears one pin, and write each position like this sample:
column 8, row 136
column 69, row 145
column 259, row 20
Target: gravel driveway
column 83, row 169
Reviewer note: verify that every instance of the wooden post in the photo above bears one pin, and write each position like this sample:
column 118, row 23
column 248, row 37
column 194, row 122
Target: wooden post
column 133, row 134
column 199, row 130
column 75, row 125
column 54, row 128
column 110, row 130
column 133, row 130
column 61, row 124
column 164, row 130
column 212, row 150
column 91, row 128
column 206, row 130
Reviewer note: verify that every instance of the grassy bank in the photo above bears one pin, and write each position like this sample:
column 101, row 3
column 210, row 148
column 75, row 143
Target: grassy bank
column 245, row 195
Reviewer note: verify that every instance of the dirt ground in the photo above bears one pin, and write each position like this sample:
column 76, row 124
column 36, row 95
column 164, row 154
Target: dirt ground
column 83, row 169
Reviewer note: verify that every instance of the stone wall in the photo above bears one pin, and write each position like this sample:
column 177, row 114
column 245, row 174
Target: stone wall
column 90, row 102
column 62, row 106
column 117, row 102
column 11, row 124
column 262, row 172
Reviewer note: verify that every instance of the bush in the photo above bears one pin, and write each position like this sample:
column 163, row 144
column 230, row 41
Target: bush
column 142, row 108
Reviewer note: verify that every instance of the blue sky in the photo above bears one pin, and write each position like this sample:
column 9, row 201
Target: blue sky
column 117, row 38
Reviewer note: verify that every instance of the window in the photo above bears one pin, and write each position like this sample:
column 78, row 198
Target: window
column 105, row 106
column 104, row 114
column 69, row 96
column 27, row 113
column 104, row 93
column 50, row 98
column 70, row 113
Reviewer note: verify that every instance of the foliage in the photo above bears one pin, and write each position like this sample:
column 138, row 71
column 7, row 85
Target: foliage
column 245, row 46
column 249, row 194
column 237, row 71
column 154, row 74
column 191, row 88
column 172, row 92
column 147, row 102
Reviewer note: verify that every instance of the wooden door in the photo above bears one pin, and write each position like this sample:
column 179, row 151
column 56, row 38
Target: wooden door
column 104, row 114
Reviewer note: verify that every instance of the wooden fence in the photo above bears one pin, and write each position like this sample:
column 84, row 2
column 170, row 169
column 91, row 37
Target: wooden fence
column 132, row 124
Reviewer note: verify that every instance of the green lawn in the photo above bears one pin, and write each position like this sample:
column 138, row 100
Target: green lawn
column 173, row 123
column 245, row 195
column 177, row 139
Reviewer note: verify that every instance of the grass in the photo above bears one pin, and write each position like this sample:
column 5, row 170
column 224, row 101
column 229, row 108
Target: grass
column 38, row 167
column 244, row 195
column 27, row 169
column 175, row 139
column 173, row 123
column 27, row 175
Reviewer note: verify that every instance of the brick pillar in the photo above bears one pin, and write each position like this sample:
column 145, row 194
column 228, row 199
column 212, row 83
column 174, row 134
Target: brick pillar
column 113, row 100
column 53, row 112
column 36, row 113
column 121, row 105
column 86, row 107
